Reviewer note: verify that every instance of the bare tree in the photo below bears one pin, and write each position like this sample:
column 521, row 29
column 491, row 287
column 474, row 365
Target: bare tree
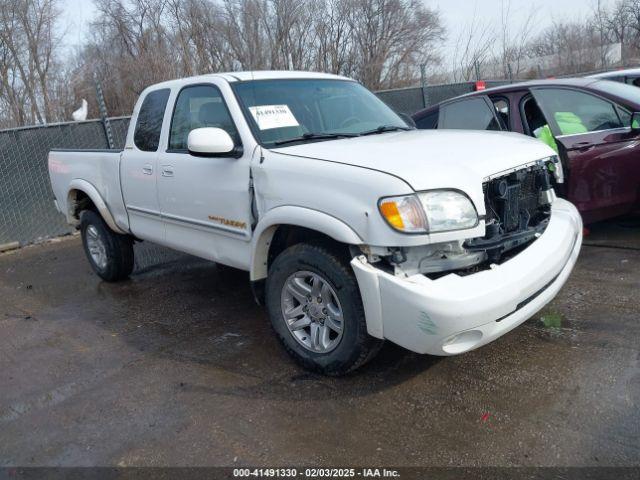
column 135, row 43
column 28, row 52
column 619, row 23
column 514, row 47
column 472, row 48
column 335, row 52
column 599, row 21
column 393, row 37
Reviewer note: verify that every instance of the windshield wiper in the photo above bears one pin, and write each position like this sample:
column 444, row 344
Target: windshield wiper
column 385, row 129
column 316, row 136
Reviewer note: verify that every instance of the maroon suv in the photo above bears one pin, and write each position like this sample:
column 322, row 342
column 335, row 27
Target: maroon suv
column 592, row 124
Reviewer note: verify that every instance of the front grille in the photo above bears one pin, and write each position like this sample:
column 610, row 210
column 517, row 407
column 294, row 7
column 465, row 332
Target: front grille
column 514, row 202
column 518, row 211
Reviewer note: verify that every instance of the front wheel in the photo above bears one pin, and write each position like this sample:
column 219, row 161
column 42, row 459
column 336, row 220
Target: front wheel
column 110, row 254
column 314, row 305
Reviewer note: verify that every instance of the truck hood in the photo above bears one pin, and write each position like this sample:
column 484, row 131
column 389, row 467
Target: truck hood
column 430, row 159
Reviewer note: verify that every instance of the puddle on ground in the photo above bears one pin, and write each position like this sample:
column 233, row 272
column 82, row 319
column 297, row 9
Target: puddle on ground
column 552, row 320
column 556, row 324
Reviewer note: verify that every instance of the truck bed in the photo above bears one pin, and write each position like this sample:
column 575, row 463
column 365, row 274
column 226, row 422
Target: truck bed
column 69, row 169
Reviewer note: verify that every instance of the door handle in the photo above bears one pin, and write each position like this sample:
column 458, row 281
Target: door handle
column 167, row 171
column 147, row 169
column 583, row 146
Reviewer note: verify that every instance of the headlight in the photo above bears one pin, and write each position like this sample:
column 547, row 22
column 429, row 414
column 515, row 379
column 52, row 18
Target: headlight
column 448, row 210
column 429, row 212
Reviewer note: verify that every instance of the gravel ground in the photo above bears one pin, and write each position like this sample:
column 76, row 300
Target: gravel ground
column 178, row 366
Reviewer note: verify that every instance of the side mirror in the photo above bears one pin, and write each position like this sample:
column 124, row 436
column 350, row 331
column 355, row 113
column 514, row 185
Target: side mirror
column 210, row 142
column 635, row 122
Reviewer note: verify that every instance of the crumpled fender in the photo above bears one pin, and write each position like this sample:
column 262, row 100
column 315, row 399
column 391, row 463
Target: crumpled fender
column 295, row 216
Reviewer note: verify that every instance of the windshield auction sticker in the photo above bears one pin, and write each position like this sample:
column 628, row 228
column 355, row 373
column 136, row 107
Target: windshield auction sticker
column 273, row 116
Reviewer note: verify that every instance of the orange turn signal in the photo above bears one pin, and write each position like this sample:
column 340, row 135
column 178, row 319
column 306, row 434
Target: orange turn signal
column 404, row 214
column 389, row 210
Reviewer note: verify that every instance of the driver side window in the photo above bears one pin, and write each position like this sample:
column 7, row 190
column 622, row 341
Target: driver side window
column 577, row 112
column 197, row 107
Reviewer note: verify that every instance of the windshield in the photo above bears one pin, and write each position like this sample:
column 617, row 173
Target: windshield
column 290, row 111
column 622, row 90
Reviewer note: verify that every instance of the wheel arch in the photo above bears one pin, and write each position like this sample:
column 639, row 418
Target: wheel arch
column 297, row 219
column 79, row 192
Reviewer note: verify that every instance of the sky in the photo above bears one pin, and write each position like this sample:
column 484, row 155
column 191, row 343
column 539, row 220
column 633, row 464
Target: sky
column 456, row 13
column 459, row 13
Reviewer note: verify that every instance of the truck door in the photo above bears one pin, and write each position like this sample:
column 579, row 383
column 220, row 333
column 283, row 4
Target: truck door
column 205, row 201
column 138, row 169
column 600, row 148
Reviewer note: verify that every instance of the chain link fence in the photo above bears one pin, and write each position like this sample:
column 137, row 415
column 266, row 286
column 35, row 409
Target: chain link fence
column 410, row 100
column 27, row 213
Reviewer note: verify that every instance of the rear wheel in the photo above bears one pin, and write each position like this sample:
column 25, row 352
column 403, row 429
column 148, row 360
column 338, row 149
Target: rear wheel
column 315, row 308
column 110, row 254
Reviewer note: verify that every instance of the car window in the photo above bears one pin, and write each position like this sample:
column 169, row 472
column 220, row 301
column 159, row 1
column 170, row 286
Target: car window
column 502, row 109
column 149, row 124
column 577, row 112
column 535, row 123
column 533, row 118
column 625, row 117
column 471, row 114
column 429, row 121
column 199, row 106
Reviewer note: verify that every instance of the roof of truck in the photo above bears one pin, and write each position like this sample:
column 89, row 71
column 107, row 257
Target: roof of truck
column 233, row 77
column 275, row 74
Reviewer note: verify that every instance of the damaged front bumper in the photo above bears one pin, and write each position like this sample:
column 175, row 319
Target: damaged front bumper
column 455, row 314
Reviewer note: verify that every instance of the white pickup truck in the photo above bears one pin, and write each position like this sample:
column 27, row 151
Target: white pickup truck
column 354, row 226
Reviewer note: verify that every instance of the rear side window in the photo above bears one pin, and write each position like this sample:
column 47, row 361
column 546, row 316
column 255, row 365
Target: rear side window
column 471, row 114
column 429, row 121
column 198, row 107
column 147, row 133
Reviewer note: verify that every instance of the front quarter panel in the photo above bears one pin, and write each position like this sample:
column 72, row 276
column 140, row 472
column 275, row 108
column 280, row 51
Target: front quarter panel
column 347, row 193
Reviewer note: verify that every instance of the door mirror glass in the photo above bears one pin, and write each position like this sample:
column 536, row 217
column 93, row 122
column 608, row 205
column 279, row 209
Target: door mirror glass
column 209, row 141
column 635, row 122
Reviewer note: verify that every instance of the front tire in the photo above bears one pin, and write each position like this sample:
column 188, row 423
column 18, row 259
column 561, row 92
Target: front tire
column 110, row 254
column 314, row 305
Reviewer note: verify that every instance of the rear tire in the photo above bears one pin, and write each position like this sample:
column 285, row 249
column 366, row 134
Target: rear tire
column 110, row 254
column 301, row 315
